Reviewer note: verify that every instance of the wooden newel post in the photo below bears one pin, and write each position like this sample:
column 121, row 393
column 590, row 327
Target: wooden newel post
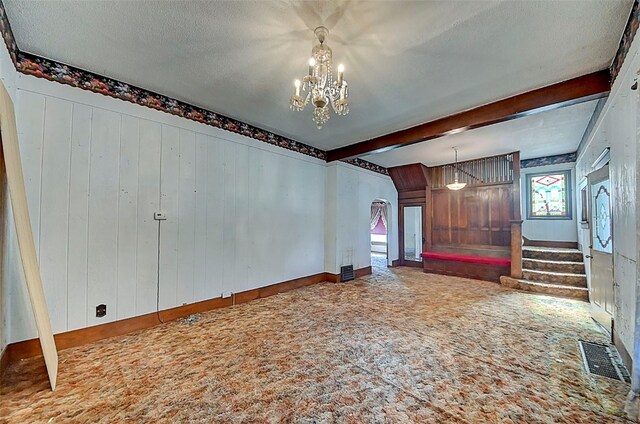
column 516, row 221
column 516, row 249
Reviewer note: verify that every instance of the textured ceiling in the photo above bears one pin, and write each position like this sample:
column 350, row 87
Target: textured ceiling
column 544, row 134
column 406, row 62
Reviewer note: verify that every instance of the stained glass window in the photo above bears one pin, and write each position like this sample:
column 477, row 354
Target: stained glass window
column 549, row 196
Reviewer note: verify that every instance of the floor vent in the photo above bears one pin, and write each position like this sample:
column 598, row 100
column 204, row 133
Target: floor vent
column 346, row 273
column 603, row 360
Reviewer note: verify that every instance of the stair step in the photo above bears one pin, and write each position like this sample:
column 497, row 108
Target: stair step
column 557, row 278
column 552, row 254
column 553, row 266
column 581, row 293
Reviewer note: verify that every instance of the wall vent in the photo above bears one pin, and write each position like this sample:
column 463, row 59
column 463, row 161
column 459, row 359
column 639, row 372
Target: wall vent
column 346, row 273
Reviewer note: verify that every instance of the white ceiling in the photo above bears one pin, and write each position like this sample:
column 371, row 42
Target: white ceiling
column 544, row 134
column 406, row 62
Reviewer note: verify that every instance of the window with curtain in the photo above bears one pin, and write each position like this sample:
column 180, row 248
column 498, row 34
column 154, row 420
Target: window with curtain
column 549, row 195
column 378, row 218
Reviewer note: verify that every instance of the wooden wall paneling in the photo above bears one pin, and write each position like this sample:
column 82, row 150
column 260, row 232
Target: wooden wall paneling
column 128, row 218
column 410, row 196
column 516, row 221
column 16, row 184
column 473, row 216
column 215, row 204
column 242, row 234
column 263, row 213
column 409, row 177
column 54, row 209
column 440, row 217
column 516, row 249
column 31, row 109
column 428, row 218
column 149, row 158
column 465, row 269
column 78, row 216
column 103, row 223
column 169, row 229
column 517, row 214
column 229, row 200
column 410, row 182
column 200, row 240
column 186, row 198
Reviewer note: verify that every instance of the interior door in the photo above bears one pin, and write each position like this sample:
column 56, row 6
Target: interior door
column 412, row 234
column 601, row 249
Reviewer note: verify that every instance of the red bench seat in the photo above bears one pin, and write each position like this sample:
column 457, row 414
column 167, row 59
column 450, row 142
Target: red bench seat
column 467, row 258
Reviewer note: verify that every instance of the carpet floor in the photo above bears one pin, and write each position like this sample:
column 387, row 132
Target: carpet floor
column 398, row 346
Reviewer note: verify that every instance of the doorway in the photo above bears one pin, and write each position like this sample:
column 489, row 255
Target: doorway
column 379, row 234
column 412, row 236
column 601, row 247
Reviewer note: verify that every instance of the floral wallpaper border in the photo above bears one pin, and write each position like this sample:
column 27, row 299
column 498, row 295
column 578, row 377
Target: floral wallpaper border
column 626, row 40
column 37, row 66
column 549, row 160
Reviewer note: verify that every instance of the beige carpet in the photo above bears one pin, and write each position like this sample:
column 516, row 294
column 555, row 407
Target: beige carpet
column 399, row 346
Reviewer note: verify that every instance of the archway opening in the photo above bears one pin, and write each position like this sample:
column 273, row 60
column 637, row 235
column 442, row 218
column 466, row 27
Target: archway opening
column 379, row 233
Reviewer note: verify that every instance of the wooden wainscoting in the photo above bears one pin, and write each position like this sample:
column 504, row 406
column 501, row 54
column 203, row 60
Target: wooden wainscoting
column 69, row 339
column 477, row 215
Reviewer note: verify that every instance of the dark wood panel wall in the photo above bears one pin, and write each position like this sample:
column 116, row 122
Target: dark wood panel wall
column 472, row 216
column 481, row 219
column 410, row 182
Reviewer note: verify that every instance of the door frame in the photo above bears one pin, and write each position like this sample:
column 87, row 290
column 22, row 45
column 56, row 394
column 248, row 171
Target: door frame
column 599, row 312
column 401, row 207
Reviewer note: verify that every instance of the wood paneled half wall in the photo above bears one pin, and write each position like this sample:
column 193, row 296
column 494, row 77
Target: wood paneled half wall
column 478, row 221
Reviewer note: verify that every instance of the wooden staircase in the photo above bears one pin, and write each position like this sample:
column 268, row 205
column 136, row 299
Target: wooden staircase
column 553, row 271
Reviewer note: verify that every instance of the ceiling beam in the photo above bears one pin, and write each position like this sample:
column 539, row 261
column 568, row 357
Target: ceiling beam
column 577, row 90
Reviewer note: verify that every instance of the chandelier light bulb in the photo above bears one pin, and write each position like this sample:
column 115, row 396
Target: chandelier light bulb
column 341, row 68
column 297, row 84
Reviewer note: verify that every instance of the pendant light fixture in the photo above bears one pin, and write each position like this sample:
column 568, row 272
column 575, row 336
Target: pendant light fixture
column 456, row 185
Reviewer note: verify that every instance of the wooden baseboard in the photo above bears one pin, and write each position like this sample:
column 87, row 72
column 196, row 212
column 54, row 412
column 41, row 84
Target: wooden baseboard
column 556, row 244
column 395, row 263
column 69, row 339
column 363, row 271
column 4, row 361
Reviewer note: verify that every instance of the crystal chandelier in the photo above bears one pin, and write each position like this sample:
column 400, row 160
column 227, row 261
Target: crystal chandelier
column 319, row 87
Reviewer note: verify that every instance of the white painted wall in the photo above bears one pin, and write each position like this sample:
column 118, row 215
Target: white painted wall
column 241, row 213
column 617, row 128
column 549, row 229
column 350, row 191
column 8, row 76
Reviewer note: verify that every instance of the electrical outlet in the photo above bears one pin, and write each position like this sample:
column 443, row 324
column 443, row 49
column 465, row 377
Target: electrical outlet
column 101, row 310
column 226, row 294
